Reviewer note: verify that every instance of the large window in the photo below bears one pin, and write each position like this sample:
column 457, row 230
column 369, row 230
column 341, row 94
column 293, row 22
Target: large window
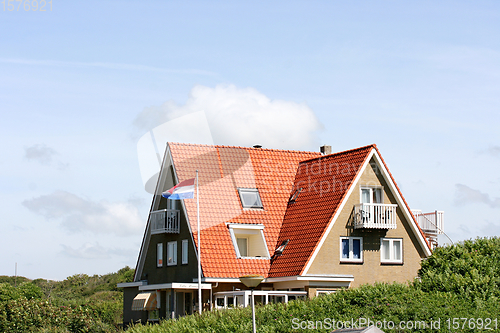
column 250, row 198
column 391, row 250
column 351, row 249
column 159, row 255
column 184, row 251
column 248, row 240
column 172, row 253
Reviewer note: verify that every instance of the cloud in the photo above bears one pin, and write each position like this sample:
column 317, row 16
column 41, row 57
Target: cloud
column 94, row 251
column 40, row 153
column 465, row 195
column 77, row 214
column 242, row 117
column 105, row 65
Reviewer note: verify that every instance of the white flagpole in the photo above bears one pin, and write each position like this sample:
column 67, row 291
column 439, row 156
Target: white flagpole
column 200, row 303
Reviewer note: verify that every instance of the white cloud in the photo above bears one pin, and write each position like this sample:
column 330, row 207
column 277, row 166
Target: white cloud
column 466, row 195
column 40, row 153
column 243, row 117
column 77, row 214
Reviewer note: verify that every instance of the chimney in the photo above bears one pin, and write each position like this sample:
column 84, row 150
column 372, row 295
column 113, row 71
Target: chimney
column 325, row 150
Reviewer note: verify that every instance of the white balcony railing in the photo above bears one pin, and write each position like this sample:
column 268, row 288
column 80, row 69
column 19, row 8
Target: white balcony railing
column 165, row 221
column 430, row 222
column 375, row 216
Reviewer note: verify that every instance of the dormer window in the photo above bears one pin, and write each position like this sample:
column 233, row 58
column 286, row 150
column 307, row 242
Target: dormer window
column 250, row 198
column 248, row 240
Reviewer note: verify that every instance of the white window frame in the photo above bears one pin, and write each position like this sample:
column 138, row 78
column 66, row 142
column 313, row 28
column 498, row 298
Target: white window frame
column 250, row 190
column 174, row 255
column 159, row 255
column 351, row 256
column 259, row 227
column 391, row 259
column 185, row 247
column 371, row 188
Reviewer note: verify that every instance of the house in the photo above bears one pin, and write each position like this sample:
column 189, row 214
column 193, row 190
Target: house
column 310, row 223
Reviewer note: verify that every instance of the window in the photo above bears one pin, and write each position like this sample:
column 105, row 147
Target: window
column 351, row 249
column 391, row 250
column 172, row 253
column 250, row 198
column 184, row 251
column 248, row 240
column 371, row 195
column 159, row 255
column 242, row 246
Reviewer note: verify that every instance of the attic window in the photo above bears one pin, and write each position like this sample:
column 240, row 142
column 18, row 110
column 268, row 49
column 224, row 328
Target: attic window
column 248, row 241
column 295, row 195
column 250, row 198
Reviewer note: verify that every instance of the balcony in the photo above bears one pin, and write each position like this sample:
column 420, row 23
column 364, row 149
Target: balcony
column 375, row 216
column 164, row 221
column 432, row 224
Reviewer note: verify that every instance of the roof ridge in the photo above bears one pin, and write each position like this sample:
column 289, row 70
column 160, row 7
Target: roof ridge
column 242, row 147
column 340, row 153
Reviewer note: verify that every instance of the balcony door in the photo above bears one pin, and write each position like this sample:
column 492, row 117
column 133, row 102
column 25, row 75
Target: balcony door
column 370, row 196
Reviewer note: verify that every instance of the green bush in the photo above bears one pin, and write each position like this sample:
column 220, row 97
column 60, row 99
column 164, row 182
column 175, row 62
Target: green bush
column 470, row 269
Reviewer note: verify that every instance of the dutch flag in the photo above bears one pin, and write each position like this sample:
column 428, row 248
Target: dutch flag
column 183, row 190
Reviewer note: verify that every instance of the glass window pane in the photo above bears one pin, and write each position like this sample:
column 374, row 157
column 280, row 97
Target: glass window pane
column 159, row 255
column 365, row 195
column 345, row 248
column 386, row 249
column 250, row 198
column 377, row 195
column 356, row 249
column 242, row 246
column 397, row 249
column 184, row 252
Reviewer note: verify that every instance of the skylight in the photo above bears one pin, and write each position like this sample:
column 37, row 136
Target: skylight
column 250, row 198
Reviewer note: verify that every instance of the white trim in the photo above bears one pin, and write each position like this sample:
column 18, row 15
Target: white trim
column 391, row 259
column 131, row 284
column 245, row 226
column 351, row 254
column 339, row 210
column 325, row 278
column 175, row 285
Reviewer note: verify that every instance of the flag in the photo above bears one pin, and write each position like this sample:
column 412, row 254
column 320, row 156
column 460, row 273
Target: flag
column 183, row 190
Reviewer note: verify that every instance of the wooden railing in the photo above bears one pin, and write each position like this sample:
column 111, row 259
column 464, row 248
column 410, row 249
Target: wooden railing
column 375, row 216
column 165, row 221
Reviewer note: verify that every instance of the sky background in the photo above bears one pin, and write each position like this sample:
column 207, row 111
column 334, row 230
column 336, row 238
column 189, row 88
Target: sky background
column 81, row 84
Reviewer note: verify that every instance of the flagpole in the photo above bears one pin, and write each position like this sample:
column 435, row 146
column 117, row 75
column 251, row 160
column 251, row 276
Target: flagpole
column 200, row 303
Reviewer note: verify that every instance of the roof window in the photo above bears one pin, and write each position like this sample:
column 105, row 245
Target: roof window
column 248, row 240
column 250, row 198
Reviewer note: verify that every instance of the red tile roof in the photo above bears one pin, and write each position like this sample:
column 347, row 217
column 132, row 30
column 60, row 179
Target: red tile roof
column 222, row 170
column 324, row 182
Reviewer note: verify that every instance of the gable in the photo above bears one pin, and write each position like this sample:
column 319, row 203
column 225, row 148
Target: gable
column 369, row 269
column 324, row 182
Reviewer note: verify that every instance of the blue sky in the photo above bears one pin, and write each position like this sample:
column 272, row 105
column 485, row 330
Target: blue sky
column 79, row 85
